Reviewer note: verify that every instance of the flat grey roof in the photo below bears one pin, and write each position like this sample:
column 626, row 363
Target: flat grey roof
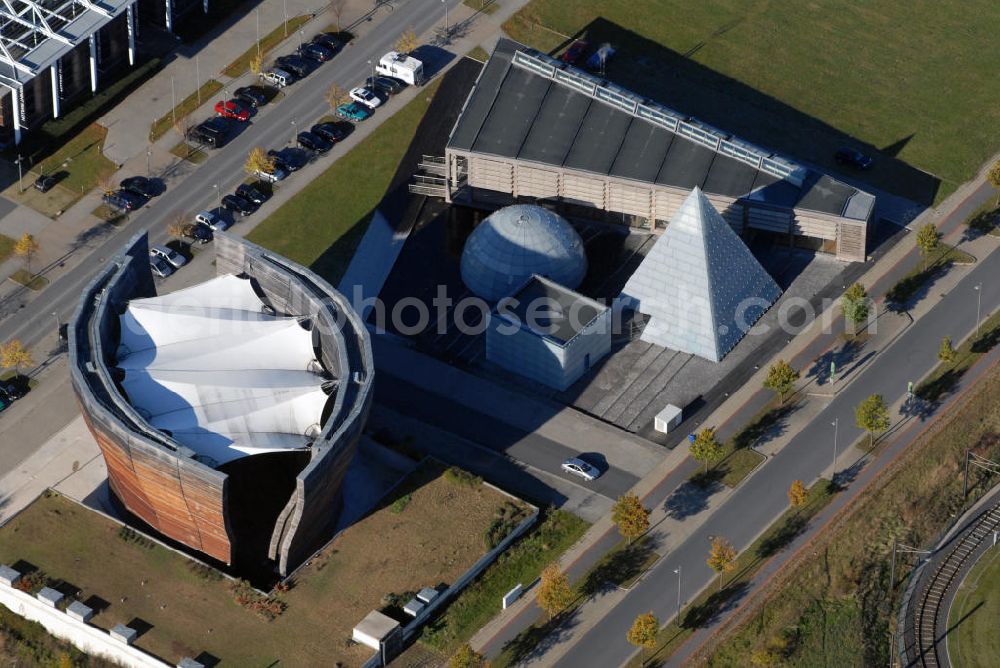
column 516, row 113
column 548, row 309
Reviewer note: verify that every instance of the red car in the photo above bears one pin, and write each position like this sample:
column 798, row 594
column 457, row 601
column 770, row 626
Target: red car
column 232, row 109
column 575, row 52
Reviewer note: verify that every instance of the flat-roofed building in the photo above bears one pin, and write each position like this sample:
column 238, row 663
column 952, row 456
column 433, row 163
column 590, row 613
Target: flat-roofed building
column 537, row 129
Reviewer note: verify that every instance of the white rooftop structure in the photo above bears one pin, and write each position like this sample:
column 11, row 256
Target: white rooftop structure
column 212, row 366
column 699, row 284
column 514, row 243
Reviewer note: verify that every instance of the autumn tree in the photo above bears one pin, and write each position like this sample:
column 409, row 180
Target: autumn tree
column 643, row 634
column 336, row 96
column 947, row 352
column 706, row 448
column 721, row 557
column 177, row 224
column 928, row 239
column 106, row 184
column 256, row 64
column 407, row 42
column 630, row 516
column 781, row 379
column 855, row 304
column 26, row 248
column 993, row 176
column 797, row 494
column 13, row 355
column 466, row 657
column 554, row 593
column 258, row 161
column 872, row 415
column 336, row 8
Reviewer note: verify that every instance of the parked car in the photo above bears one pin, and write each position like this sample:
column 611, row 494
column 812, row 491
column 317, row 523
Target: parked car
column 313, row 142
column 275, row 175
column 329, row 40
column 216, row 223
column 385, row 85
column 297, row 65
column 45, row 183
column 366, row 96
column 354, row 111
column 160, row 267
column 599, row 59
column 212, row 132
column 853, row 158
column 122, row 200
column 255, row 195
column 332, row 132
column 139, row 185
column 278, row 77
column 252, row 96
column 575, row 52
column 578, row 467
column 316, row 52
column 289, row 159
column 198, row 233
column 232, row 109
column 12, row 392
column 175, row 259
column 238, row 204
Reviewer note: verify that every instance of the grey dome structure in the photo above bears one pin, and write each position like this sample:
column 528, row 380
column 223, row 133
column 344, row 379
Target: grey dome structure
column 517, row 241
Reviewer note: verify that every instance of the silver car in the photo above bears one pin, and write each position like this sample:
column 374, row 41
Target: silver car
column 175, row 259
column 581, row 468
column 160, row 267
column 216, row 223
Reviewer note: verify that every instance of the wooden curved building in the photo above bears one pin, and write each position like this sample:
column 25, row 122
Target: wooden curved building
column 263, row 507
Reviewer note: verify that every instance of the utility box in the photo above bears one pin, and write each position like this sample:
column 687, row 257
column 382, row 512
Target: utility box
column 414, row 607
column 9, row 576
column 49, row 596
column 667, row 419
column 373, row 629
column 427, row 594
column 124, row 634
column 79, row 611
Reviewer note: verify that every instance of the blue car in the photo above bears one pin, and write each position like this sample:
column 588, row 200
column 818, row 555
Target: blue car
column 354, row 111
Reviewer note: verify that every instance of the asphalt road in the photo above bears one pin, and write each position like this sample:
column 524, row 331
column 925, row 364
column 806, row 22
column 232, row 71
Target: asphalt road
column 304, row 103
column 763, row 497
column 537, row 451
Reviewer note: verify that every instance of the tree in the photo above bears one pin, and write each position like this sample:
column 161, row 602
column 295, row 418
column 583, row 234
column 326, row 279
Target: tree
column 407, row 42
column 797, row 494
column 177, row 224
column 336, row 96
column 256, row 64
column 855, row 304
column 13, row 355
column 337, row 11
column 106, row 184
column 928, row 239
column 993, row 176
column 721, row 557
column 26, row 248
column 466, row 657
column 630, row 516
column 554, row 593
column 872, row 415
column 706, row 449
column 258, row 161
column 781, row 379
column 947, row 352
column 643, row 634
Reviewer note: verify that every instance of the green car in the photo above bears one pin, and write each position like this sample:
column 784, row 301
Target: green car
column 354, row 111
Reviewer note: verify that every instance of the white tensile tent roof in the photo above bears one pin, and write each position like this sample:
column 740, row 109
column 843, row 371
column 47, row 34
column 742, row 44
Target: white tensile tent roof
column 701, row 286
column 224, row 377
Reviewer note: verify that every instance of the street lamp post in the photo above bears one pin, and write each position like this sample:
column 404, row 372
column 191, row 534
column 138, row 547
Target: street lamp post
column 20, row 186
column 678, row 571
column 292, row 140
column 371, row 64
column 218, row 194
column 836, row 428
column 445, row 3
column 978, row 287
column 149, row 153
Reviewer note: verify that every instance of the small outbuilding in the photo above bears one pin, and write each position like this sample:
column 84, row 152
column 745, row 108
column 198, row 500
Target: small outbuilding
column 548, row 333
column 373, row 629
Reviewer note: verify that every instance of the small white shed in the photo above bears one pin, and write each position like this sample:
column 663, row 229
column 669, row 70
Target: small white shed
column 371, row 630
column 667, row 419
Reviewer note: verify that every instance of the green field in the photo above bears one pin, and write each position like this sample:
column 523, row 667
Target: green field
column 323, row 224
column 915, row 81
column 975, row 642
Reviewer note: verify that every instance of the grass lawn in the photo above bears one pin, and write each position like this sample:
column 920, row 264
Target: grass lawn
column 523, row 562
column 162, row 125
column 28, row 280
column 740, row 459
column 330, row 215
column 195, row 155
column 908, row 290
column 484, row 6
column 974, row 613
column 6, row 247
column 267, row 43
column 835, row 600
column 805, row 77
column 435, row 539
column 478, row 53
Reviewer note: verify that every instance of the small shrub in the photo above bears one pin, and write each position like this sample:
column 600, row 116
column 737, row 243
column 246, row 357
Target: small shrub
column 32, row 582
column 400, row 504
column 130, row 535
column 266, row 607
column 462, row 477
column 204, row 572
column 508, row 516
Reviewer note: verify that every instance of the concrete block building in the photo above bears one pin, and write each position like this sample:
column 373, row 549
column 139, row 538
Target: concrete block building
column 535, row 129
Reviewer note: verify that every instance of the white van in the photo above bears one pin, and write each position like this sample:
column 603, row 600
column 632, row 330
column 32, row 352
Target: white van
column 401, row 66
column 277, row 77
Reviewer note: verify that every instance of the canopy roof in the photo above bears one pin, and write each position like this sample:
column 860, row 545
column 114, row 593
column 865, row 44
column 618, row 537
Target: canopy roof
column 213, row 367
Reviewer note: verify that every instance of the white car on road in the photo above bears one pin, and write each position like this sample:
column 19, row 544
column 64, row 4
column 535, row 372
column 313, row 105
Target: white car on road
column 366, row 97
column 580, row 468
